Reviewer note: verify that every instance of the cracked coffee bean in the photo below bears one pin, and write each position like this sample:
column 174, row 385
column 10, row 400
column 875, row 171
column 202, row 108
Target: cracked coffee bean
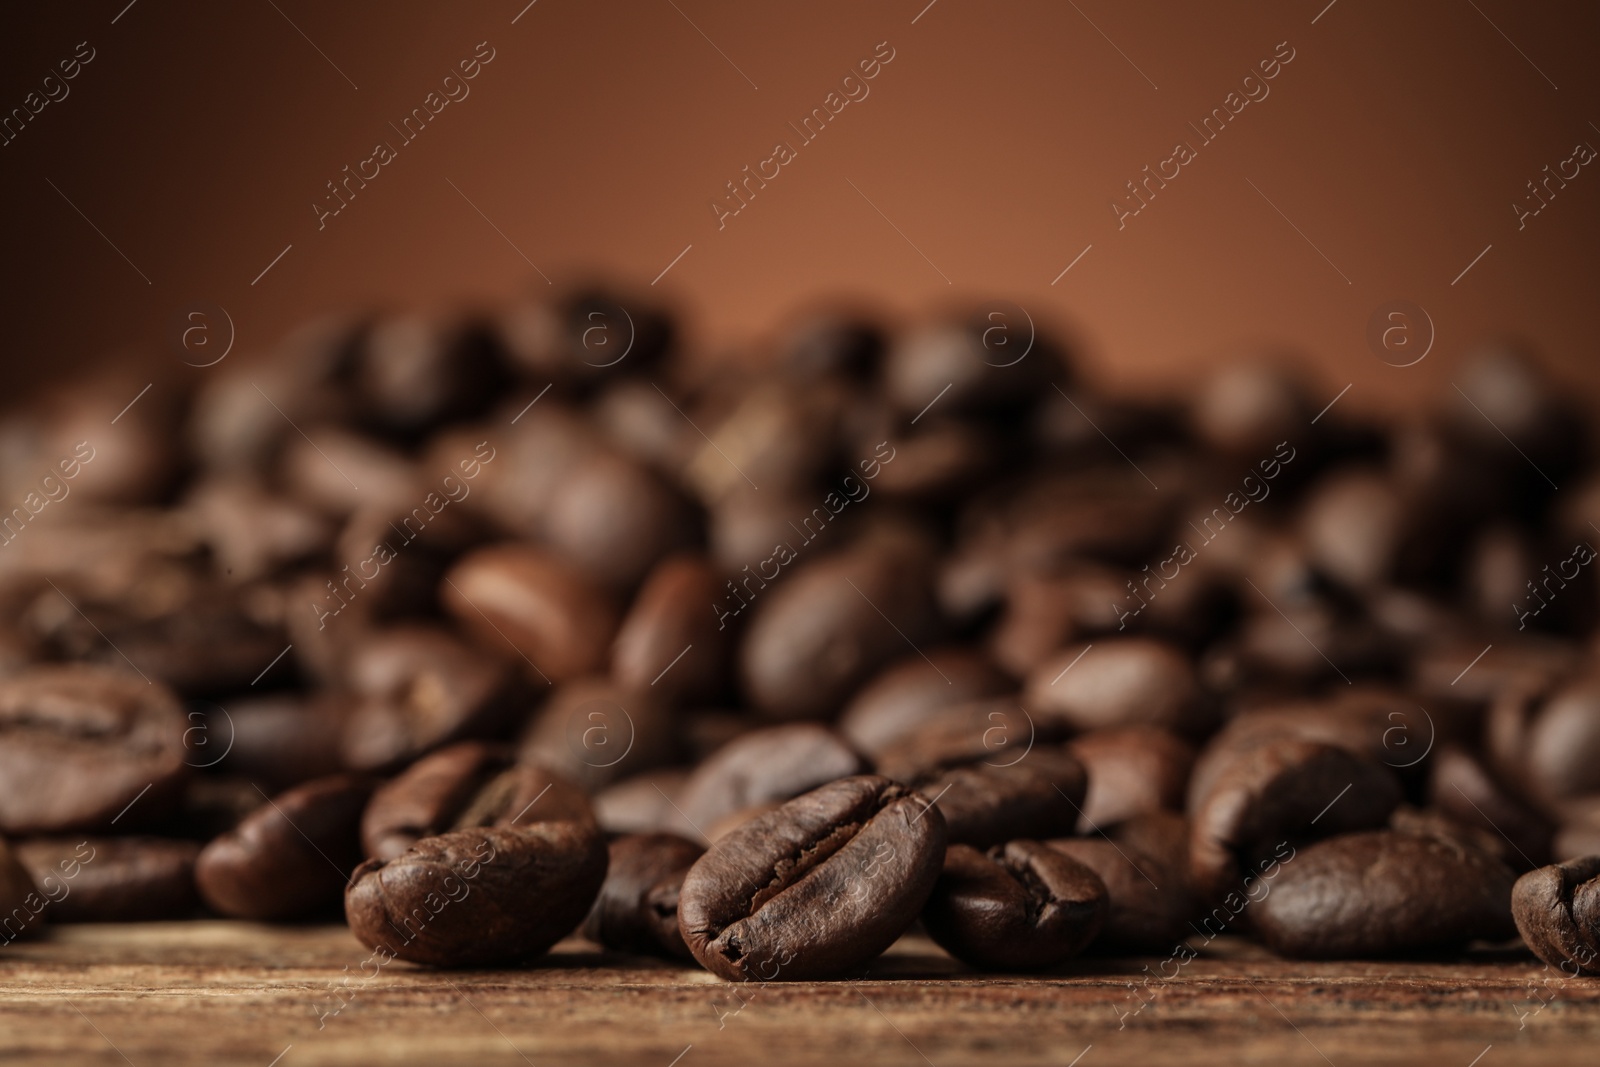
column 1020, row 906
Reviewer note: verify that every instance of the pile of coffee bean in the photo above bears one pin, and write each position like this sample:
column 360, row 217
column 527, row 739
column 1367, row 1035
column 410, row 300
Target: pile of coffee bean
column 487, row 628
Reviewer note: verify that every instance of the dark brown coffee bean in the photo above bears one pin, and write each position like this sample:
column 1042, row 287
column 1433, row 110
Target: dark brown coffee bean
column 1243, row 410
column 641, row 804
column 778, row 436
column 1281, row 790
column 253, row 532
column 637, row 910
column 991, row 361
column 1044, row 612
column 595, row 732
column 816, row 888
column 1120, row 681
column 413, row 372
column 482, row 896
column 818, row 635
column 113, row 879
column 1557, row 911
column 291, row 857
column 1563, row 742
column 1463, row 788
column 277, row 741
column 773, row 764
column 907, row 694
column 1020, row 906
column 670, row 640
column 465, row 785
column 326, row 474
column 585, row 336
column 614, row 518
column 1147, row 907
column 546, row 612
column 1131, row 770
column 1380, row 893
column 991, row 785
column 420, row 687
column 21, row 905
column 831, row 343
column 528, row 460
column 80, row 744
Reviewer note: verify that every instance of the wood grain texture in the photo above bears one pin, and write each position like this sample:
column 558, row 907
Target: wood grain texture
column 238, row 993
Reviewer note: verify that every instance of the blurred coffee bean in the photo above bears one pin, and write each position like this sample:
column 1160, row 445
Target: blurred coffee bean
column 669, row 640
column 548, row 613
column 831, row 343
column 1245, row 409
column 1274, row 794
column 908, row 693
column 418, row 687
column 528, row 461
column 21, row 905
column 478, row 897
column 586, row 335
column 412, row 372
column 774, row 764
column 1043, row 613
column 1147, row 908
column 834, row 622
column 1131, row 770
column 1563, row 742
column 641, row 422
column 1020, row 906
column 642, row 804
column 1381, row 893
column 637, row 909
column 1119, row 681
column 815, row 889
column 1463, row 788
column 81, row 744
column 614, row 519
column 291, row 856
column 253, row 532
column 1557, row 911
column 462, row 786
column 595, row 732
column 113, row 879
column 338, row 471
column 278, row 740
column 776, row 437
column 989, row 362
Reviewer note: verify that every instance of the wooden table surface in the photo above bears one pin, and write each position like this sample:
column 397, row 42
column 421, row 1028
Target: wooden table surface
column 239, row 993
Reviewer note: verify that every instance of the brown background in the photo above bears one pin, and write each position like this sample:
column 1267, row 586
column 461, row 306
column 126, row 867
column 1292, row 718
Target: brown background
column 1396, row 141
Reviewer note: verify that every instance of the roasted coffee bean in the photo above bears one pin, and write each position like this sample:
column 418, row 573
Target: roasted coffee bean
column 1380, row 893
column 637, row 910
column 559, row 622
column 1020, row 906
column 1276, row 793
column 291, row 856
column 1044, row 612
column 413, row 371
column 1245, row 409
column 465, row 785
column 113, row 879
column 818, row 635
column 594, row 731
column 816, row 888
column 1126, row 681
column 1147, row 906
column 481, row 896
column 991, row 774
column 1557, row 911
column 779, row 436
column 277, row 741
column 80, row 744
column 614, row 518
column 585, row 336
column 907, row 694
column 670, row 641
column 419, row 688
column 773, row 764
column 21, row 904
column 326, row 474
column 1463, row 788
column 991, row 361
column 1562, row 757
column 641, row 804
column 1131, row 770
